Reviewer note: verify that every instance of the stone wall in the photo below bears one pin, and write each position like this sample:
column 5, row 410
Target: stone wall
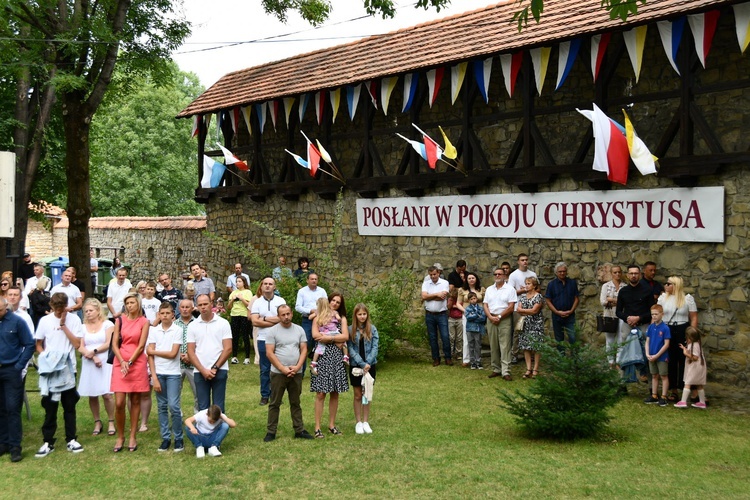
column 716, row 274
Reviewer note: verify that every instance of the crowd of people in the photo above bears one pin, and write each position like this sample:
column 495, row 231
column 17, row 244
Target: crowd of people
column 648, row 328
column 150, row 338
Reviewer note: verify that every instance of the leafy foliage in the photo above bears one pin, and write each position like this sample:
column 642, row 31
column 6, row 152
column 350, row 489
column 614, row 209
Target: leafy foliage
column 317, row 11
column 570, row 400
column 618, row 9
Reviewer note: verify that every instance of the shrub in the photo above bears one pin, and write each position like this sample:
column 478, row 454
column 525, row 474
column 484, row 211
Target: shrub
column 570, row 400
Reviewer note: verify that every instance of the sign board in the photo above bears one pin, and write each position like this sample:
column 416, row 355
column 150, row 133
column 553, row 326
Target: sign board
column 670, row 214
column 7, row 194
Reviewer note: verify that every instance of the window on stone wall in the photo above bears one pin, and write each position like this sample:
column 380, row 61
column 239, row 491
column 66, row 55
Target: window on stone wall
column 179, row 255
column 150, row 254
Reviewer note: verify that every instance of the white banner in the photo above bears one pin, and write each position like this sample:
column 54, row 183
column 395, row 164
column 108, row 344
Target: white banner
column 678, row 214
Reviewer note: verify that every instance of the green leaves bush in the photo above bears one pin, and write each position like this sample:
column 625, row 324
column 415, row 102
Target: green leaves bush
column 570, row 400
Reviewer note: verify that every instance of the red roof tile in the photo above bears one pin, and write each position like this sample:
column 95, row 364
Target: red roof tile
column 482, row 32
column 188, row 222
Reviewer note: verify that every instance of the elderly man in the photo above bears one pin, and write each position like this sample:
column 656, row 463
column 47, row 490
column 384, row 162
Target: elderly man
column 72, row 292
column 209, row 340
column 434, row 296
column 263, row 316
column 499, row 303
column 562, row 300
column 232, row 279
column 16, row 349
column 307, row 298
column 286, row 349
column 202, row 284
column 116, row 291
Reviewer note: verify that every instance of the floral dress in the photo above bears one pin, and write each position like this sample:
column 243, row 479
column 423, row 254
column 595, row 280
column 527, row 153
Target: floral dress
column 331, row 371
column 532, row 335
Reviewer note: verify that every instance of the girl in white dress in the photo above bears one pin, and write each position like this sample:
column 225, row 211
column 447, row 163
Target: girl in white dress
column 96, row 373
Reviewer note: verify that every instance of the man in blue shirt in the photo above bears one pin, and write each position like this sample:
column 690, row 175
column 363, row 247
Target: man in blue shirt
column 562, row 300
column 16, row 348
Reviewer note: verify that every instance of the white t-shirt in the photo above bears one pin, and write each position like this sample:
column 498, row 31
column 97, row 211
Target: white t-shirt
column 498, row 300
column 517, row 278
column 165, row 340
column 264, row 307
column 431, row 288
column 150, row 308
column 202, row 424
column 51, row 332
column 208, row 337
column 117, row 293
column 71, row 291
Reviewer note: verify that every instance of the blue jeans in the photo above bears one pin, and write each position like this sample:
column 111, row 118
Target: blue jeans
column 11, row 403
column 434, row 323
column 561, row 326
column 168, row 402
column 216, row 387
column 265, row 370
column 209, row 440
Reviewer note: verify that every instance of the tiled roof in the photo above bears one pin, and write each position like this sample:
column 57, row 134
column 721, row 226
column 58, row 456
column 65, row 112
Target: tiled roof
column 47, row 209
column 481, row 32
column 196, row 222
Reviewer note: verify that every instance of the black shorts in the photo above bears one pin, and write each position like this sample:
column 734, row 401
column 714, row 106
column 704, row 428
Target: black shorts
column 357, row 381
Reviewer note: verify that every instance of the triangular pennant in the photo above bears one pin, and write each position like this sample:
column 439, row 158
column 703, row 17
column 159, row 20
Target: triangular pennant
column 352, row 99
column 599, row 45
column 323, row 153
column 260, row 112
column 387, row 85
column 288, row 103
column 410, row 90
column 703, row 27
column 671, row 35
column 371, row 86
column 635, row 41
column 302, row 107
column 320, row 100
column 449, row 150
column 458, row 72
column 219, row 122
column 197, row 120
column 742, row 24
column 434, row 77
column 566, row 59
column 207, row 119
column 335, row 97
column 540, row 60
column 246, row 113
column 234, row 116
column 511, row 65
column 274, row 108
column 482, row 72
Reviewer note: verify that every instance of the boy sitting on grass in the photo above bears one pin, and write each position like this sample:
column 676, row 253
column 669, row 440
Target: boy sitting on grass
column 207, row 429
column 657, row 345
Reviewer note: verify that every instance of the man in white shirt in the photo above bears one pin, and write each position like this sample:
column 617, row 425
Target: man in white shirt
column 499, row 303
column 75, row 299
column 116, row 291
column 286, row 348
column 232, row 279
column 434, row 296
column 13, row 297
column 94, row 268
column 57, row 337
column 264, row 315
column 517, row 280
column 209, row 340
column 307, row 298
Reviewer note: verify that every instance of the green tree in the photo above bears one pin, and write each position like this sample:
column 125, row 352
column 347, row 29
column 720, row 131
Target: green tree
column 317, row 11
column 618, row 9
column 143, row 161
column 73, row 47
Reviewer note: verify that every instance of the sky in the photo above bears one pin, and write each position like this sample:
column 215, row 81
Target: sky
column 218, row 23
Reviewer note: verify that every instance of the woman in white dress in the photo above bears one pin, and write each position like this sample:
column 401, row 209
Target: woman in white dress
column 96, row 373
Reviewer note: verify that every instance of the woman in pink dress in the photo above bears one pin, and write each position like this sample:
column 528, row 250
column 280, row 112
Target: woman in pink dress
column 129, row 369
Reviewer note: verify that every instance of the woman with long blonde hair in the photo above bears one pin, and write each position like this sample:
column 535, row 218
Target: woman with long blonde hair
column 680, row 312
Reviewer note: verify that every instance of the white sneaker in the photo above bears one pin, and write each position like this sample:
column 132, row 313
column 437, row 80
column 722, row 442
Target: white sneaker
column 246, row 362
column 358, row 428
column 234, row 361
column 366, row 427
column 45, row 450
column 200, row 452
column 75, row 446
column 214, row 452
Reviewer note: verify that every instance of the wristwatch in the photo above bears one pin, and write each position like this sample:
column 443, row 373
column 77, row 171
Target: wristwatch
column 214, row 367
column 96, row 351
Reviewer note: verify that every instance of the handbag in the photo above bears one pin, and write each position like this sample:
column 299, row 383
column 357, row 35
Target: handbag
column 606, row 324
column 519, row 323
column 111, row 353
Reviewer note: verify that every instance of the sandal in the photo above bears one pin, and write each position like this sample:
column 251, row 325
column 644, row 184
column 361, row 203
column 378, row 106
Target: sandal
column 318, row 434
column 143, row 428
column 534, row 373
column 527, row 374
column 99, row 430
column 111, row 431
column 335, row 431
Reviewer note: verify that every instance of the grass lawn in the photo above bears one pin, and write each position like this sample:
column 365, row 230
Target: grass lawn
column 437, row 432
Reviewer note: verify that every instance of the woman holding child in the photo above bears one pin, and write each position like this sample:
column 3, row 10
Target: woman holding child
column 680, row 312
column 532, row 335
column 331, row 377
